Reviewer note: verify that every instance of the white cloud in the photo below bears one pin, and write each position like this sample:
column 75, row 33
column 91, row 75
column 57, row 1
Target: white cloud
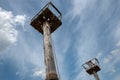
column 84, row 9
column 39, row 73
column 115, row 52
column 78, row 7
column 8, row 33
column 118, row 44
column 99, row 55
column 117, row 32
column 25, row 56
column 20, row 19
column 112, row 59
column 17, row 73
column 107, row 59
column 83, row 75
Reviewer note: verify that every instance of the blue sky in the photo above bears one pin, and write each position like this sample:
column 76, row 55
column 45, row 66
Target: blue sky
column 91, row 28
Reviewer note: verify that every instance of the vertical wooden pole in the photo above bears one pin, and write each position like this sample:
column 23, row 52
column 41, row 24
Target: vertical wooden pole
column 51, row 73
column 96, row 75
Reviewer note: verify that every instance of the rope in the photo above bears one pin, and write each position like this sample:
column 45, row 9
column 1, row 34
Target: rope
column 54, row 55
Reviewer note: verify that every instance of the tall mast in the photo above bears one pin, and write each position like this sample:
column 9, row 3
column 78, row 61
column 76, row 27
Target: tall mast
column 92, row 67
column 47, row 22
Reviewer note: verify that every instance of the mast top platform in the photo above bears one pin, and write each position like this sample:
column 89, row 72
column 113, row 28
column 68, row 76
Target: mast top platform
column 50, row 14
column 91, row 66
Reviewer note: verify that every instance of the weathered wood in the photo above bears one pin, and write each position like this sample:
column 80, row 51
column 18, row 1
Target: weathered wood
column 96, row 75
column 51, row 73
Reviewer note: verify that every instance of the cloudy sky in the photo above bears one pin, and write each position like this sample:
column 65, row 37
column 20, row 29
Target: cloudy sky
column 90, row 28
